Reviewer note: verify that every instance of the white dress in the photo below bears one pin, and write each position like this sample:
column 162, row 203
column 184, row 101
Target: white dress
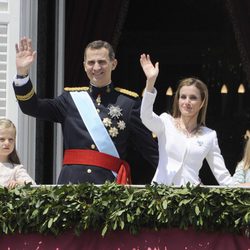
column 241, row 175
column 181, row 157
column 17, row 172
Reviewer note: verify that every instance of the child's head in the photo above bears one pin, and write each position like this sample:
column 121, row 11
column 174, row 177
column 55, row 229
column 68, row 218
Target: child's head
column 246, row 157
column 8, row 142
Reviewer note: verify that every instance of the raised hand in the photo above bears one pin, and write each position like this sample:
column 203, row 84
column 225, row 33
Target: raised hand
column 151, row 71
column 25, row 56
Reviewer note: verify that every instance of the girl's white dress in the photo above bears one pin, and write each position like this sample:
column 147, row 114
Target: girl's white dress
column 241, row 175
column 17, row 172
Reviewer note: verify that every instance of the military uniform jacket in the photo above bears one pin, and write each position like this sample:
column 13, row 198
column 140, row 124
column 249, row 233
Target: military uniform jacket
column 118, row 109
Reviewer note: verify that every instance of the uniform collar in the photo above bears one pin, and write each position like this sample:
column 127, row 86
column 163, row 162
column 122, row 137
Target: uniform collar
column 95, row 91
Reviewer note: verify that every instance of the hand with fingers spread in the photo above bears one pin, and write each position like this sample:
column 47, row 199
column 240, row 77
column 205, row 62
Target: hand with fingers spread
column 151, row 71
column 25, row 56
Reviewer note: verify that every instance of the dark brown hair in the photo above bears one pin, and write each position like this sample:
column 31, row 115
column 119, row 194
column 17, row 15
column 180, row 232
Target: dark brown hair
column 98, row 44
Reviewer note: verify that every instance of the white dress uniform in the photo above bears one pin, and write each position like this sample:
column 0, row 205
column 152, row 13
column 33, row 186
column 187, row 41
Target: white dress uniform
column 180, row 156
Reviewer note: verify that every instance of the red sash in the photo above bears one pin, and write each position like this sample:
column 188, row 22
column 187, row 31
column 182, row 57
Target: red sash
column 99, row 159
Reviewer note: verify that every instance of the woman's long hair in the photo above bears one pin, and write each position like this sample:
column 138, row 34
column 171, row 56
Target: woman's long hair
column 13, row 156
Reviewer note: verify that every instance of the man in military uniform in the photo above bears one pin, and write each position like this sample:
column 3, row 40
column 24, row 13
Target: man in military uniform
column 98, row 121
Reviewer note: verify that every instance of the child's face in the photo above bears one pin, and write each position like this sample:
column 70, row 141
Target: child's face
column 7, row 142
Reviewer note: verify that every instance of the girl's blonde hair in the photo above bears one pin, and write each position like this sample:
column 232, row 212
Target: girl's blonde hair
column 201, row 120
column 246, row 156
column 13, row 157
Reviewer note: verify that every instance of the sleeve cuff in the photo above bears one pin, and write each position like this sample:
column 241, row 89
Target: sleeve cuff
column 20, row 81
column 154, row 92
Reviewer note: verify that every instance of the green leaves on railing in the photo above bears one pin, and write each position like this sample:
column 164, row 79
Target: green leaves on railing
column 55, row 209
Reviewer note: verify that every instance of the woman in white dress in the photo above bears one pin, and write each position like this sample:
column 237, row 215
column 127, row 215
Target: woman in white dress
column 183, row 139
column 12, row 173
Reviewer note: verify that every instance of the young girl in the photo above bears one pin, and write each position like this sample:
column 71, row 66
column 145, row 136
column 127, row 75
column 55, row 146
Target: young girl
column 12, row 173
column 242, row 172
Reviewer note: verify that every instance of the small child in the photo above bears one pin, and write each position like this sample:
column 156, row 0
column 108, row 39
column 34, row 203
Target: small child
column 242, row 171
column 12, row 173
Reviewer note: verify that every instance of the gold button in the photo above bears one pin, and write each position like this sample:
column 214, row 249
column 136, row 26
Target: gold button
column 89, row 171
column 93, row 146
column 98, row 110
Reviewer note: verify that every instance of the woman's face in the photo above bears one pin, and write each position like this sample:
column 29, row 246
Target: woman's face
column 190, row 101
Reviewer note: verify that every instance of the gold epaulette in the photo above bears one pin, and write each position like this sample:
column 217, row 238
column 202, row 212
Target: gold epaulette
column 84, row 88
column 126, row 92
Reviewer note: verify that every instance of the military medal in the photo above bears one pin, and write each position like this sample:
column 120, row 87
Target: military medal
column 114, row 111
column 112, row 122
column 98, row 100
column 121, row 125
column 113, row 131
column 107, row 122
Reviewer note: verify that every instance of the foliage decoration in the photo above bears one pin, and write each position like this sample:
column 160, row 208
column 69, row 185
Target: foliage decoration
column 55, row 209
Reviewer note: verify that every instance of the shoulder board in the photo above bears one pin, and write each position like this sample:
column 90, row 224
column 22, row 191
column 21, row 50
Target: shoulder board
column 84, row 88
column 126, row 92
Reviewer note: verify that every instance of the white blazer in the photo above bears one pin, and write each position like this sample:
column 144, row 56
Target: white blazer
column 181, row 157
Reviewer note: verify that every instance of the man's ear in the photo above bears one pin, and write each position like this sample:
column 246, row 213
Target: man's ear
column 114, row 64
column 83, row 64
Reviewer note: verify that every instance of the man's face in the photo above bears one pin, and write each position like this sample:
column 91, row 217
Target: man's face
column 98, row 66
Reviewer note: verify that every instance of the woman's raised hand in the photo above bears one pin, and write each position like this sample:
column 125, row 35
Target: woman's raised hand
column 151, row 71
